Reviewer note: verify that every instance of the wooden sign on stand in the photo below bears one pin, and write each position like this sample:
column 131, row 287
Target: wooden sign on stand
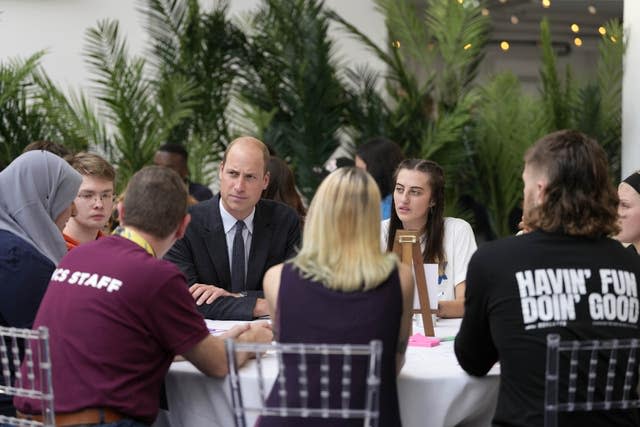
column 407, row 246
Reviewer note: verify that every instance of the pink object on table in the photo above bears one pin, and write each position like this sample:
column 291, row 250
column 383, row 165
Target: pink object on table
column 419, row 340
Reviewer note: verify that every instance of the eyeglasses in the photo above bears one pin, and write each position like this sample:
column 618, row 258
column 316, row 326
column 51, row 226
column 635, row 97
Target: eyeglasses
column 90, row 196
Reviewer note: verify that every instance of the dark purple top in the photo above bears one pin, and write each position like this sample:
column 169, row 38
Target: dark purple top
column 309, row 312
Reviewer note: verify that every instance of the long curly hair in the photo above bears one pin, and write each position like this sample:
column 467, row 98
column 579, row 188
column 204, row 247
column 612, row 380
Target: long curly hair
column 579, row 199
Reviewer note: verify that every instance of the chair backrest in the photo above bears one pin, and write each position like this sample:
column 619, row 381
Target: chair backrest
column 30, row 347
column 322, row 359
column 608, row 384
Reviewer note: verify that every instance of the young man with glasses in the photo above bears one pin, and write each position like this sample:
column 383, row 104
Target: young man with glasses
column 94, row 202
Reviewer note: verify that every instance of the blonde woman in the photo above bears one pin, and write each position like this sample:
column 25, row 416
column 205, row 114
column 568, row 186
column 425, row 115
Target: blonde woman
column 342, row 288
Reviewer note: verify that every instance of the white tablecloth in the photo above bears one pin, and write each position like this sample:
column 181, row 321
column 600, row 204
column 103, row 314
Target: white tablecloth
column 433, row 390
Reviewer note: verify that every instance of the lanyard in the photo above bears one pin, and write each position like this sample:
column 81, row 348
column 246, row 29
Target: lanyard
column 129, row 234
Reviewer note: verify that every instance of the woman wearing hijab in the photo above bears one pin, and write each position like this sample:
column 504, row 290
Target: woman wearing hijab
column 36, row 193
column 629, row 211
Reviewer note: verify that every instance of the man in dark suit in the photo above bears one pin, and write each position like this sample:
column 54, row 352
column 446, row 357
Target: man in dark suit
column 235, row 237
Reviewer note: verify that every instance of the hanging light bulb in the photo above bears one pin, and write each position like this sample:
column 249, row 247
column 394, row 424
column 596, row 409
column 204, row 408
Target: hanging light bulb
column 602, row 30
column 575, row 28
column 546, row 4
column 504, row 45
column 396, row 44
column 592, row 9
column 467, row 46
column 514, row 19
column 577, row 41
column 485, row 11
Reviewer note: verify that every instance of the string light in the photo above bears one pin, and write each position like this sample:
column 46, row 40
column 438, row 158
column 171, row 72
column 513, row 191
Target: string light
column 460, row 1
column 592, row 9
column 467, row 46
column 575, row 28
column 546, row 3
column 577, row 41
column 514, row 19
column 602, row 30
column 503, row 1
column 396, row 44
column 613, row 39
column 504, row 45
column 485, row 11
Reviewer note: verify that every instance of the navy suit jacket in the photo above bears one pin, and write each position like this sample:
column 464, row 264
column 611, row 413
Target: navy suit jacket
column 203, row 257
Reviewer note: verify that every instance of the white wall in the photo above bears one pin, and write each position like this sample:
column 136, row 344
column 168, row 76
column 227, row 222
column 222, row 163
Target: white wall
column 27, row 26
column 631, row 88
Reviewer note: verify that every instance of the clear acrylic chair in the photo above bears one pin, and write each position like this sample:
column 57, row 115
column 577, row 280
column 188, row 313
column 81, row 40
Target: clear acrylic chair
column 322, row 358
column 617, row 370
column 31, row 346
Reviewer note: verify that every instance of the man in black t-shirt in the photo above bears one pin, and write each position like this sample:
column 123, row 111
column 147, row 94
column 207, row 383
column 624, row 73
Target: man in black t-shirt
column 565, row 276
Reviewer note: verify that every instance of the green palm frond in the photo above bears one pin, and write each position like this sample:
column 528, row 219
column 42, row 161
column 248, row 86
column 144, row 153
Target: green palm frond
column 165, row 24
column 367, row 112
column 205, row 49
column 507, row 123
column 20, row 122
column 14, row 73
column 142, row 112
column 407, row 32
column 609, row 80
column 460, row 32
column 292, row 75
column 556, row 99
column 73, row 117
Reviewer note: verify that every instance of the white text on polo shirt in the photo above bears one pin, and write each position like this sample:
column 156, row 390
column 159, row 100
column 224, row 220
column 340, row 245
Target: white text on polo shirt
column 86, row 279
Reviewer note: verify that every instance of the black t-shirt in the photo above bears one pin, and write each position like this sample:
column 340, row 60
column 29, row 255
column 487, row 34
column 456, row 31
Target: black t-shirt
column 520, row 289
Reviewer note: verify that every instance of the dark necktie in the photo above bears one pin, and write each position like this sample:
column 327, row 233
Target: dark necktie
column 237, row 260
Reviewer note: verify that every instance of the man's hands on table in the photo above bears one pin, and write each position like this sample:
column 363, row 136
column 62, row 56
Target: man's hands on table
column 207, row 294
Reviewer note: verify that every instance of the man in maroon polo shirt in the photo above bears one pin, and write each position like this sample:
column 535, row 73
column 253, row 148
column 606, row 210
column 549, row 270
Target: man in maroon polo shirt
column 118, row 314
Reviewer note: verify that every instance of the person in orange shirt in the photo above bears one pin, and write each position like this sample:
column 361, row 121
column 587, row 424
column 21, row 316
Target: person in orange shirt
column 94, row 202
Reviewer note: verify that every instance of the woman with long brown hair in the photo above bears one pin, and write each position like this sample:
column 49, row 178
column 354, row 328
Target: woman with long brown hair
column 418, row 204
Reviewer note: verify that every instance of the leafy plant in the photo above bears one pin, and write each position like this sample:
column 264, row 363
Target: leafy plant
column 595, row 107
column 142, row 112
column 506, row 124
column 73, row 116
column 30, row 108
column 20, row 123
column 292, row 77
column 204, row 49
column 427, row 115
column 556, row 94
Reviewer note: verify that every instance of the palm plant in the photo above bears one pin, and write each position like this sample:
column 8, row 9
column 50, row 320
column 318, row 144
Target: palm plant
column 27, row 99
column 20, row 123
column 505, row 125
column 292, row 79
column 595, row 107
column 204, row 49
column 430, row 107
column 73, row 116
column 142, row 112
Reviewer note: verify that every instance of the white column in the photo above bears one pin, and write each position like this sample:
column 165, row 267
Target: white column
column 631, row 90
